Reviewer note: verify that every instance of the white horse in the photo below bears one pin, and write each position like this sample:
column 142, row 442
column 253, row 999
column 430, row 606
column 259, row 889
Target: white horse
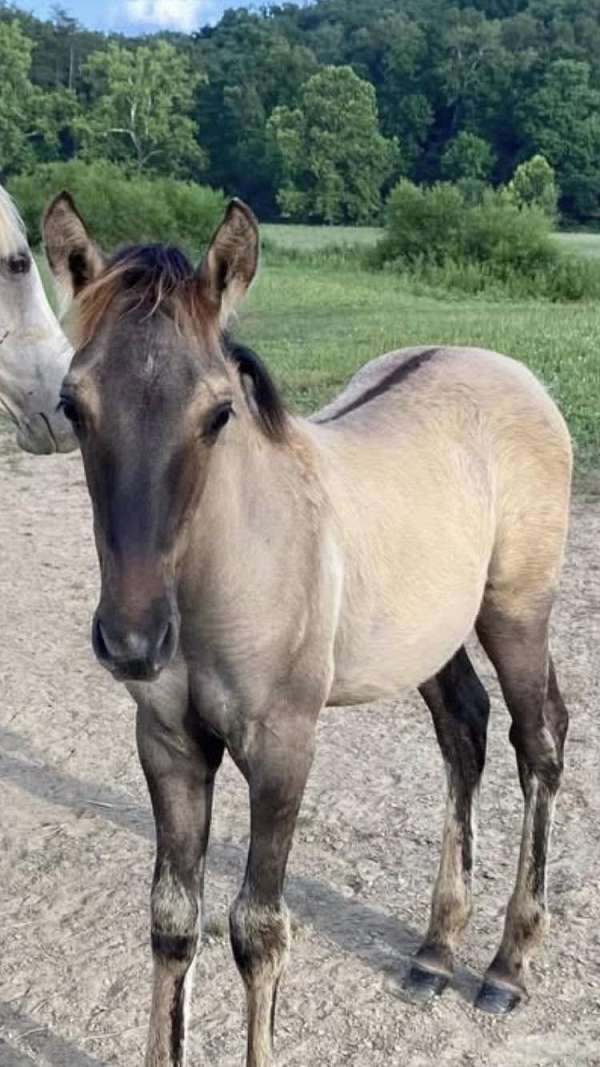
column 34, row 352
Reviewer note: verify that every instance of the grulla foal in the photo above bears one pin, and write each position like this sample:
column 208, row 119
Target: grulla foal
column 256, row 566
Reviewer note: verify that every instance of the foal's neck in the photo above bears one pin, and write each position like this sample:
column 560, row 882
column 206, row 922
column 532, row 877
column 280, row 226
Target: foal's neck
column 261, row 500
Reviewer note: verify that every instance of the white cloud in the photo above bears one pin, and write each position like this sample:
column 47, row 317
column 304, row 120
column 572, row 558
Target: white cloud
column 183, row 15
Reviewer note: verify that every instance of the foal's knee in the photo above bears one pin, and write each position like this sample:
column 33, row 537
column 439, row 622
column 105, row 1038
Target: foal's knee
column 542, row 754
column 174, row 913
column 260, row 938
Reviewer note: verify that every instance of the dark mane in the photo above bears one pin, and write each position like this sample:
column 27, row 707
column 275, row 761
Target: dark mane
column 270, row 409
column 148, row 279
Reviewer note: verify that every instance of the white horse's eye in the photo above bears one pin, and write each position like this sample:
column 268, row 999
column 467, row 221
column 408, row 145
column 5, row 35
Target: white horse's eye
column 19, row 264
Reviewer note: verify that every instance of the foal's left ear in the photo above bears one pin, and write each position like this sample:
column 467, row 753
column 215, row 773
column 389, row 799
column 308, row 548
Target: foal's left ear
column 230, row 265
column 74, row 257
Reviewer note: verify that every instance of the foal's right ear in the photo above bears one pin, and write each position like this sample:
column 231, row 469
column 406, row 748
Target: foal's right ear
column 74, row 258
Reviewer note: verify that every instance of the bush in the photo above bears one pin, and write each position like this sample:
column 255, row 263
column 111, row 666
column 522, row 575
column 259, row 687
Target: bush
column 119, row 209
column 422, row 222
column 508, row 239
column 447, row 240
column 534, row 185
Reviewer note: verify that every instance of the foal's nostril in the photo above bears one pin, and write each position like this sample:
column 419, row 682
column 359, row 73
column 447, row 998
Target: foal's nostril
column 118, row 648
column 166, row 645
column 134, row 653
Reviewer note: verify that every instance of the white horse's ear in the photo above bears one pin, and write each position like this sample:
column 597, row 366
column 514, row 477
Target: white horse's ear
column 74, row 258
column 231, row 263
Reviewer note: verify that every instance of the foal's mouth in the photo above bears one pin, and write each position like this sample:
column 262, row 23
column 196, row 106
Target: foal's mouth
column 133, row 671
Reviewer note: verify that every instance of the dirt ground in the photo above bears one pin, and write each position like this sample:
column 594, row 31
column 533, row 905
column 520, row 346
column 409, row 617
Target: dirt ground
column 76, row 834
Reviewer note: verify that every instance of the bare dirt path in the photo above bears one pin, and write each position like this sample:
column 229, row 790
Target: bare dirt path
column 76, row 844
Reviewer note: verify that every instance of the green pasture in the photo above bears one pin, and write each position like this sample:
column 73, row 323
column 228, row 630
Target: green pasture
column 583, row 244
column 314, row 238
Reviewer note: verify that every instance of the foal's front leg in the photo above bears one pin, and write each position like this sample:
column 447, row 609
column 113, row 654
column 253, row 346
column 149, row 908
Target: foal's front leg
column 180, row 764
column 276, row 763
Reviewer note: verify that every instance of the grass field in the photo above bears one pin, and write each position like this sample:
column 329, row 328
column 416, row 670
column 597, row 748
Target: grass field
column 584, row 244
column 313, row 238
column 316, row 325
column 319, row 238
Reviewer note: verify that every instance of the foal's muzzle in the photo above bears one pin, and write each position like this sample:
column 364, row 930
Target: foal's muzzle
column 136, row 653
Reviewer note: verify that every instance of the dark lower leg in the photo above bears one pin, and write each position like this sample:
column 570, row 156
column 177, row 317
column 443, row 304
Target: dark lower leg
column 526, row 915
column 260, row 937
column 538, row 734
column 259, row 923
column 460, row 707
column 180, row 774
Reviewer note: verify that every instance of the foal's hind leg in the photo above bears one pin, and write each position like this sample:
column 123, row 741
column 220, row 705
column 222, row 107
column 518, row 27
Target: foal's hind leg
column 460, row 707
column 518, row 649
column 180, row 765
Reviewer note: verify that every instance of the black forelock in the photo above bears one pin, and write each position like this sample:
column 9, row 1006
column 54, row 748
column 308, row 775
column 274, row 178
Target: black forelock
column 152, row 266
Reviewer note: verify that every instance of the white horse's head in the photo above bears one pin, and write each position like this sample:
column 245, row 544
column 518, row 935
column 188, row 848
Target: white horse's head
column 34, row 352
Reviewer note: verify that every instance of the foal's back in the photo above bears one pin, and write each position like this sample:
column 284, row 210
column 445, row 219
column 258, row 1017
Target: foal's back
column 449, row 472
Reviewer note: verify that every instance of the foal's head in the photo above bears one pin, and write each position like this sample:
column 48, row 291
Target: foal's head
column 154, row 392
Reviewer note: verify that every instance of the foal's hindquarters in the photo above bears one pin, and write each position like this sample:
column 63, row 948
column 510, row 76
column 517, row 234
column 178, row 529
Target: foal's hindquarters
column 509, row 511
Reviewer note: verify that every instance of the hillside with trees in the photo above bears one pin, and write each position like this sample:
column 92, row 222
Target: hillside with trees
column 315, row 112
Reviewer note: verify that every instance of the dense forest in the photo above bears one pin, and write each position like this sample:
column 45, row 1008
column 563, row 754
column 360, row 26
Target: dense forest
column 316, row 111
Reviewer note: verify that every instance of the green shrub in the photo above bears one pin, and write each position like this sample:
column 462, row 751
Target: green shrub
column 119, row 209
column 422, row 222
column 507, row 238
column 570, row 277
column 534, row 184
column 450, row 241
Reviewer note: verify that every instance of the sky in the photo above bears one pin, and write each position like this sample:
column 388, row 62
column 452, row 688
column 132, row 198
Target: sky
column 139, row 16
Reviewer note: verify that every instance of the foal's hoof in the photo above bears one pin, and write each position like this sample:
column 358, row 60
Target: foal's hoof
column 423, row 984
column 497, row 999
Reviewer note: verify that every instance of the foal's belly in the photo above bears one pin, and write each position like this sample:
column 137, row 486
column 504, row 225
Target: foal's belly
column 380, row 654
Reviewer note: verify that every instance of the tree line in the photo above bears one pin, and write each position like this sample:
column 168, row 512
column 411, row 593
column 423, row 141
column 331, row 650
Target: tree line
column 315, row 112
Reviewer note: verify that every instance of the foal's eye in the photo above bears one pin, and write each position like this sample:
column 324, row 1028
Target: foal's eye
column 218, row 419
column 69, row 411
